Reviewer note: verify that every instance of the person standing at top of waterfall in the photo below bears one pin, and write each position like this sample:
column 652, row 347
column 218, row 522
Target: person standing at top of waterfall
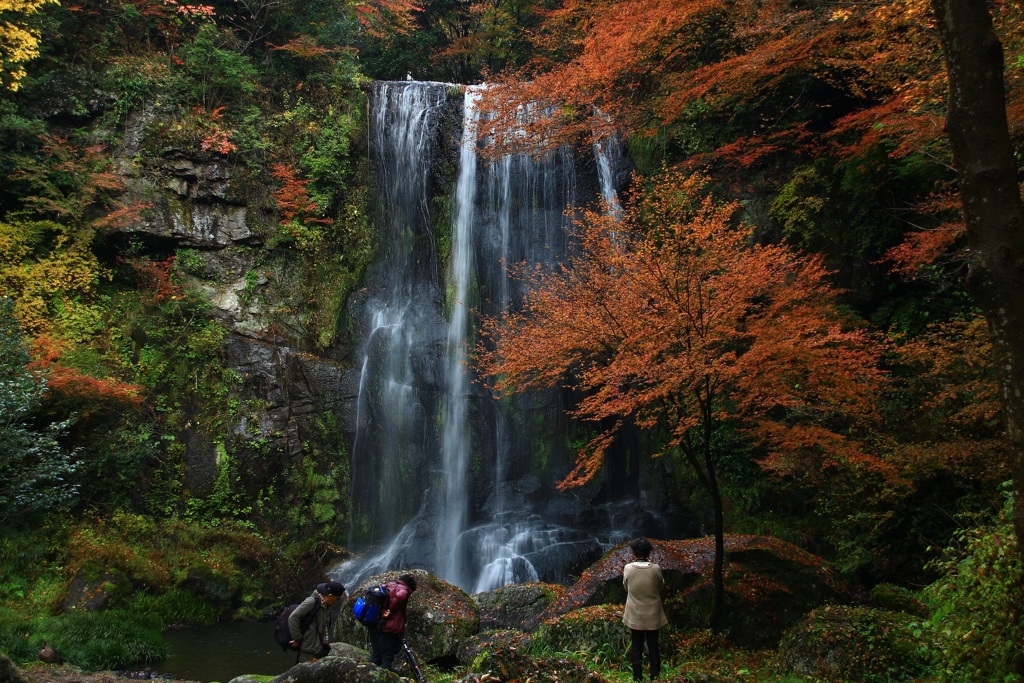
column 387, row 637
column 644, row 614
column 314, row 642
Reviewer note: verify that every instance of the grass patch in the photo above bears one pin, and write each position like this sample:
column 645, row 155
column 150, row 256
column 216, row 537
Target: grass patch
column 98, row 641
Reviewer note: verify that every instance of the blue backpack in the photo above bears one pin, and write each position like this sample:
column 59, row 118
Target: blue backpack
column 370, row 605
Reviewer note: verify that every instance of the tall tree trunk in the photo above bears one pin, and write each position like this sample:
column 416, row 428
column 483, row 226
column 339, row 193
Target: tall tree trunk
column 718, row 572
column 977, row 128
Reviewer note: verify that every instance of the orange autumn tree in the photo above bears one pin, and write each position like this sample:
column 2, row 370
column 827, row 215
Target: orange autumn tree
column 676, row 320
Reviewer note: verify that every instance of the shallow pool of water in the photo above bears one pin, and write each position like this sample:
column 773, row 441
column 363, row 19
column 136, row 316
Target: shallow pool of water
column 223, row 651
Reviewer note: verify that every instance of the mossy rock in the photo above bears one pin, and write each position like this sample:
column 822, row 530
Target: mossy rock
column 499, row 653
column 838, row 643
column 558, row 669
column 506, row 655
column 597, row 630
column 9, row 673
column 898, row 599
column 252, row 678
column 337, row 670
column 517, row 606
column 439, row 616
column 770, row 585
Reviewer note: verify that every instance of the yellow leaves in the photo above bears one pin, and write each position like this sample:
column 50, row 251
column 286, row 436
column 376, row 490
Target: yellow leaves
column 19, row 43
column 43, row 275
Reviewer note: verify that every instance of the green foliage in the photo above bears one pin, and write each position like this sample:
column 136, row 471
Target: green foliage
column 190, row 261
column 855, row 643
column 134, row 79
column 324, row 476
column 181, row 571
column 91, row 640
column 34, row 468
column 898, row 599
column 227, row 500
column 107, row 640
column 215, row 72
column 175, row 606
column 16, row 633
column 978, row 603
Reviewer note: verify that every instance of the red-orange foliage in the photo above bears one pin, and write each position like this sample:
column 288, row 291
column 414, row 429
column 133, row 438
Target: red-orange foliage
column 215, row 138
column 305, row 47
column 293, row 198
column 68, row 182
column 384, row 18
column 867, row 74
column 675, row 318
column 958, row 424
column 69, row 384
column 145, row 23
column 156, row 278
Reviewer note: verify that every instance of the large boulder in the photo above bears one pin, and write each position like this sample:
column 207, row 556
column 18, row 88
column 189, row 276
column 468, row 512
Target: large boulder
column 337, row 670
column 496, row 651
column 9, row 673
column 770, row 585
column 517, row 606
column 597, row 630
column 504, row 656
column 839, row 643
column 440, row 616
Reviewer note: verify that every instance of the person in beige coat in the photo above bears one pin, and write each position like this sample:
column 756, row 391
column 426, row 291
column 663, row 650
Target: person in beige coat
column 643, row 614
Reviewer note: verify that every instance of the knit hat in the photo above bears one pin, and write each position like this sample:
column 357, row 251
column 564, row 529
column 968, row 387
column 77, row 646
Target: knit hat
column 331, row 588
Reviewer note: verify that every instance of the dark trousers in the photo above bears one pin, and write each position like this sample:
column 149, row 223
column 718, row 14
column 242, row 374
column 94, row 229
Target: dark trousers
column 636, row 653
column 384, row 647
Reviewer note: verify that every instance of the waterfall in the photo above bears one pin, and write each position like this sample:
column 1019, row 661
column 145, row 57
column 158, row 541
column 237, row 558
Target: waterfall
column 445, row 477
column 456, row 439
column 394, row 400
column 607, row 152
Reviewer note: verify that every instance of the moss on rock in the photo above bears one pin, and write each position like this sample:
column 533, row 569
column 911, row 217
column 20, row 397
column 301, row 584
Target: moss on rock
column 839, row 643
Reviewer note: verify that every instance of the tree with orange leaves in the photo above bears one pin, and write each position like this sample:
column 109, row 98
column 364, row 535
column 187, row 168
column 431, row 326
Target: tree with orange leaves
column 676, row 320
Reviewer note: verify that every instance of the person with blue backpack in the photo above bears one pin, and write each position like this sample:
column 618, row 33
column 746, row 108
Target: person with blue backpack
column 387, row 635
column 310, row 623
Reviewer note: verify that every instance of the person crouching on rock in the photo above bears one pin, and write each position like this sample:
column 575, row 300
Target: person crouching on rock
column 314, row 642
column 387, row 638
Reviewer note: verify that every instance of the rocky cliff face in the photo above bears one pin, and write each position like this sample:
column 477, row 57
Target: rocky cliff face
column 296, row 398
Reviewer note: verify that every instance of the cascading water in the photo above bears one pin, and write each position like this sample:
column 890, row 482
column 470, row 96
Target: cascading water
column 456, row 440
column 401, row 320
column 607, row 153
column 445, row 477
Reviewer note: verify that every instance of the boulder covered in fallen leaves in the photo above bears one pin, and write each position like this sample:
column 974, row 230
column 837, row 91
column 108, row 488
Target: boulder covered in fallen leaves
column 517, row 606
column 597, row 630
column 499, row 653
column 439, row 616
column 497, row 656
column 770, row 585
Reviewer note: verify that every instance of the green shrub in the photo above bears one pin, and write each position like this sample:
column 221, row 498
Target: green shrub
column 216, row 72
column 855, row 644
column 16, row 636
column 898, row 599
column 978, row 604
column 98, row 641
column 176, row 606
